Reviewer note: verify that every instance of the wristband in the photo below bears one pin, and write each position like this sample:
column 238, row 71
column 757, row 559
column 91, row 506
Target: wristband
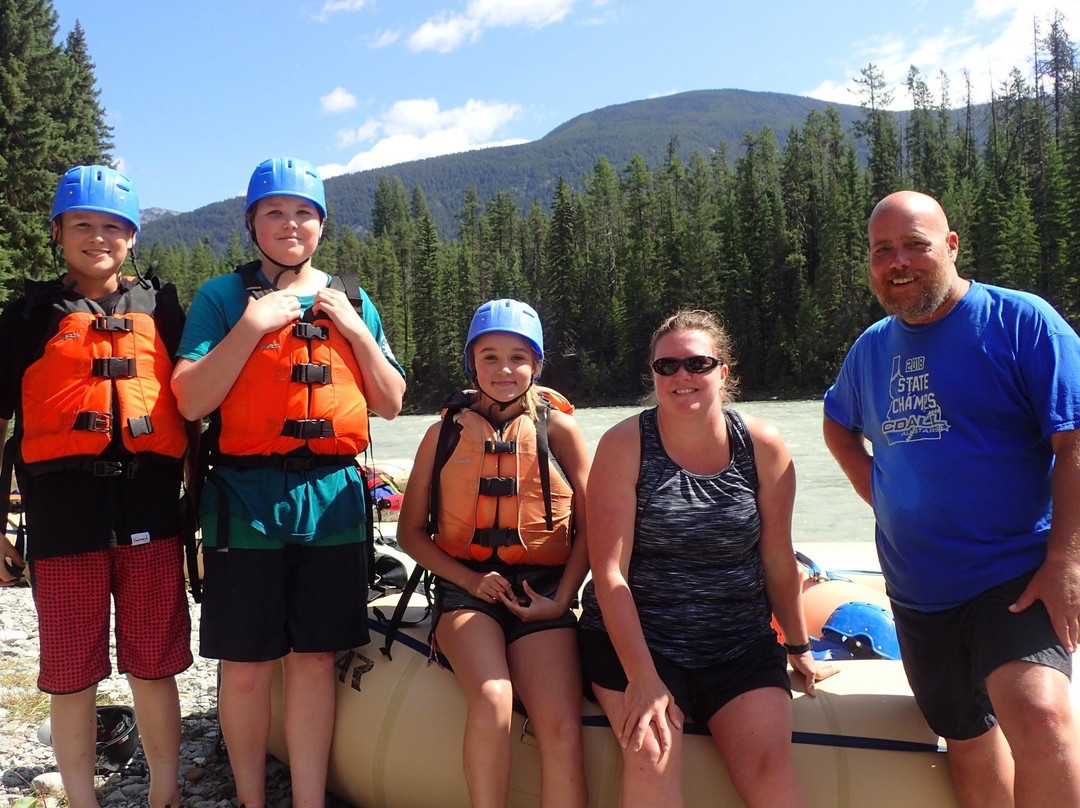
column 796, row 650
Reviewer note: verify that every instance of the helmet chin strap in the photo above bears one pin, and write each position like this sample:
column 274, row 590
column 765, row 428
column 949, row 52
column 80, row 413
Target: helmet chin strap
column 503, row 406
column 283, row 267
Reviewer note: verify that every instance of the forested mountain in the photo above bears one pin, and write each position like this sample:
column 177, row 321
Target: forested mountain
column 680, row 124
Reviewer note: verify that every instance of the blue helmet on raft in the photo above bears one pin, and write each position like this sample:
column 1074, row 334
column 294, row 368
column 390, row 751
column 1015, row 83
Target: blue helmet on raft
column 865, row 629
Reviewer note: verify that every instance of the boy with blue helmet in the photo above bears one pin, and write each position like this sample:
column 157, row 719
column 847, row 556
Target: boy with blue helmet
column 100, row 432
column 287, row 361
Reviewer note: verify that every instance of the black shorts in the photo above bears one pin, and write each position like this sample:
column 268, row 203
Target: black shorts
column 451, row 598
column 948, row 654
column 699, row 692
column 259, row 605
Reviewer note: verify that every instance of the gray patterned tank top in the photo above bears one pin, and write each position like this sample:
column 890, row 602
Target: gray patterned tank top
column 695, row 569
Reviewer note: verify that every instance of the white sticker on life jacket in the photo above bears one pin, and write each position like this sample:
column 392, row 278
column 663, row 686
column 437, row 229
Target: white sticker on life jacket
column 139, row 538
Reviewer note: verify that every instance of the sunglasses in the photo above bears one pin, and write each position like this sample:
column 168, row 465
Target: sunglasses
column 669, row 366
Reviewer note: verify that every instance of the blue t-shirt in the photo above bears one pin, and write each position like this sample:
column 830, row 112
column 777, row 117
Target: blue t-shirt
column 283, row 505
column 959, row 413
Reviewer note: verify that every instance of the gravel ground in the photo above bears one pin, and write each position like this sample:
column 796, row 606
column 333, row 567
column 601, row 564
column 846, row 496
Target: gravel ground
column 28, row 769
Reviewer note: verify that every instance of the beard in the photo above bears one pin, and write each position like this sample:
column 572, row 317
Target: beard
column 935, row 292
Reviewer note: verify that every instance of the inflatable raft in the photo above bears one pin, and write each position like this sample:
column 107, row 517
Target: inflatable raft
column 397, row 738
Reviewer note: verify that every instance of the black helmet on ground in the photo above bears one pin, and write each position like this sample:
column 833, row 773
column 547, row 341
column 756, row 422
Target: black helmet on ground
column 117, row 737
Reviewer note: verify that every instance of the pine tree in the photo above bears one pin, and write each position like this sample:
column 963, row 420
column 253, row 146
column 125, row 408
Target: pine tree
column 78, row 109
column 879, row 129
column 44, row 129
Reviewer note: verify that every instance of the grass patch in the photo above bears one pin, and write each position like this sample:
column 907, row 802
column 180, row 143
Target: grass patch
column 20, row 696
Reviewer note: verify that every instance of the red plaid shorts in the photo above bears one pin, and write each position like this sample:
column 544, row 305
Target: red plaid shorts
column 153, row 627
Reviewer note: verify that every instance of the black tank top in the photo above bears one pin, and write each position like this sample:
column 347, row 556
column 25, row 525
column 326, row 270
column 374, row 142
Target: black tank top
column 695, row 569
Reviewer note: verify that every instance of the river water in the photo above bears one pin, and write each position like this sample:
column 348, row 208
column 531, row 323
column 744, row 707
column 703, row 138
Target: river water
column 826, row 507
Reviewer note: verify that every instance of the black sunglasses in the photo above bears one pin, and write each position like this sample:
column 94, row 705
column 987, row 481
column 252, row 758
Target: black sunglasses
column 669, row 366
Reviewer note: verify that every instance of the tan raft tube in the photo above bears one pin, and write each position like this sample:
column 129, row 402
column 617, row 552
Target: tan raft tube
column 397, row 740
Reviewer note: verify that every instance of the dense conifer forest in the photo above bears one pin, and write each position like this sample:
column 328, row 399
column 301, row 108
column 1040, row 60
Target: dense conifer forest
column 769, row 233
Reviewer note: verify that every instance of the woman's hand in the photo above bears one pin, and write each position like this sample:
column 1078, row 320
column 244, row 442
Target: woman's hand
column 812, row 670
column 650, row 708
column 533, row 607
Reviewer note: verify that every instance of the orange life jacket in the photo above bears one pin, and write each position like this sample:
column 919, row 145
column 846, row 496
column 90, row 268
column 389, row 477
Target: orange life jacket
column 99, row 376
column 300, row 392
column 491, row 503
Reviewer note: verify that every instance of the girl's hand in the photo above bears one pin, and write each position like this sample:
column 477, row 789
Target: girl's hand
column 490, row 587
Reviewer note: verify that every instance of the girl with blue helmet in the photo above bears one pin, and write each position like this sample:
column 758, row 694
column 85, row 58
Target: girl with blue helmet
column 508, row 552
column 287, row 361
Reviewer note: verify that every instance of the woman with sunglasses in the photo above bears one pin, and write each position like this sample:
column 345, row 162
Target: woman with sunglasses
column 690, row 510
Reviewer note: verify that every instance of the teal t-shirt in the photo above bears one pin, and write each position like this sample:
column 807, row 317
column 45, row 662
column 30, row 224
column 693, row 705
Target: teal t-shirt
column 270, row 507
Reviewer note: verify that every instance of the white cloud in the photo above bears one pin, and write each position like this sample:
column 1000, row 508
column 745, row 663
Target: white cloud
column 337, row 101
column 417, row 128
column 332, row 6
column 447, row 32
column 989, row 41
column 384, row 38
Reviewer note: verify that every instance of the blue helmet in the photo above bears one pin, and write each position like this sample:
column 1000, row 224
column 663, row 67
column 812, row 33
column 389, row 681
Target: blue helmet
column 867, row 624
column 511, row 316
column 286, row 176
column 97, row 188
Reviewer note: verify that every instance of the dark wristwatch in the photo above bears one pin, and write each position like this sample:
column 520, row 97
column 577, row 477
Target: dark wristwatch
column 796, row 650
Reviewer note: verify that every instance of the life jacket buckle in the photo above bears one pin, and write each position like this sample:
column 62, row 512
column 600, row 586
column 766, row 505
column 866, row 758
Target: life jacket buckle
column 113, row 367
column 113, row 324
column 498, row 486
column 500, row 446
column 310, row 373
column 308, row 428
column 304, row 330
column 107, row 468
column 140, row 426
column 496, row 537
column 89, row 421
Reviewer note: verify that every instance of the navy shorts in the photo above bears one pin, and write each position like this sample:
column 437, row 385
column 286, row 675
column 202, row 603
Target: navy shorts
column 948, row 655
column 259, row 605
column 451, row 598
column 699, row 692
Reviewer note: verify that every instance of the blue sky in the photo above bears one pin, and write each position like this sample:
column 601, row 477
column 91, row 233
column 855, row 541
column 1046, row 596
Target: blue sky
column 200, row 92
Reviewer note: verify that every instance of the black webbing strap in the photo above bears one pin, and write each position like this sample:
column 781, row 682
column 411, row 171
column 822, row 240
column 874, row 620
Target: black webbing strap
column 397, row 620
column 543, row 453
column 496, row 537
column 449, row 433
column 7, row 468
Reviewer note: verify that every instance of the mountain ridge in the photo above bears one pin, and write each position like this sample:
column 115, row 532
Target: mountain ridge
column 697, row 120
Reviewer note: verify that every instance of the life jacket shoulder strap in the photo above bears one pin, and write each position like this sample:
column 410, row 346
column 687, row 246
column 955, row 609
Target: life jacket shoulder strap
column 449, row 433
column 253, row 284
